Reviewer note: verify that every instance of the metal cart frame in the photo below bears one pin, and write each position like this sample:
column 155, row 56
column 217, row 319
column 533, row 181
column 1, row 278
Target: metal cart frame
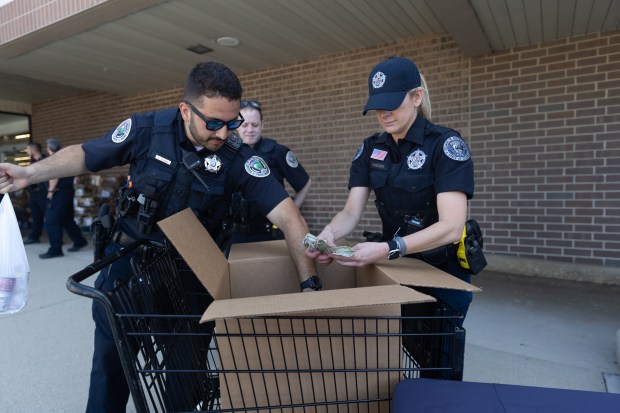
column 172, row 362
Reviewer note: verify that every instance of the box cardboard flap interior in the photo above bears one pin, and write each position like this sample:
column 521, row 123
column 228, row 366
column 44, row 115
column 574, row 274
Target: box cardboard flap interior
column 266, row 268
column 416, row 273
column 199, row 250
column 254, row 250
column 313, row 302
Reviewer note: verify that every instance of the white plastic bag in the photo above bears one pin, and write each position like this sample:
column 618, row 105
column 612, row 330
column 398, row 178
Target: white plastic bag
column 14, row 268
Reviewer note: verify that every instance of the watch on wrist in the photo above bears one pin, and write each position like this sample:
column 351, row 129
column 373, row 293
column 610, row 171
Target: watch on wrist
column 314, row 282
column 394, row 250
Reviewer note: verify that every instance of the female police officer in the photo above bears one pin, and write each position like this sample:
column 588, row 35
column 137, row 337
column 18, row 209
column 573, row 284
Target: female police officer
column 422, row 176
column 248, row 225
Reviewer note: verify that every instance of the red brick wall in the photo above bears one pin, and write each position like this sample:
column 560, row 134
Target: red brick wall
column 545, row 122
column 540, row 122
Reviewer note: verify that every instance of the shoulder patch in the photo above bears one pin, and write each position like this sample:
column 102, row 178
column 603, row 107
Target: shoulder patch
column 257, row 167
column 359, row 151
column 291, row 159
column 455, row 148
column 122, row 131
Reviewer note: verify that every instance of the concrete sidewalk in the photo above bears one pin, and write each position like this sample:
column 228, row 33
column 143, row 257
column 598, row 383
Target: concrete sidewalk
column 520, row 330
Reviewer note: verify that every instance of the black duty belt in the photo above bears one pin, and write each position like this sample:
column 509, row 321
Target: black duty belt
column 122, row 238
column 144, row 252
column 251, row 227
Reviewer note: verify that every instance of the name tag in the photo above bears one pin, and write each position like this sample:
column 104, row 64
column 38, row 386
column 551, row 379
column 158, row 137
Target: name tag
column 378, row 165
column 163, row 160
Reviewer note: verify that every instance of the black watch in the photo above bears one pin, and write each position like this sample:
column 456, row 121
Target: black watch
column 394, row 251
column 313, row 282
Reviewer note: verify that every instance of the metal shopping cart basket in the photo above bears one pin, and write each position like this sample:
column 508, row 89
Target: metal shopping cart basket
column 282, row 363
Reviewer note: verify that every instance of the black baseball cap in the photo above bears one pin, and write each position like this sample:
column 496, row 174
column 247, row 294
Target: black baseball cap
column 389, row 82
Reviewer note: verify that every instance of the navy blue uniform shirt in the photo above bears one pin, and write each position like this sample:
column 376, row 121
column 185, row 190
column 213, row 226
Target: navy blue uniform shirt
column 406, row 177
column 283, row 163
column 109, row 151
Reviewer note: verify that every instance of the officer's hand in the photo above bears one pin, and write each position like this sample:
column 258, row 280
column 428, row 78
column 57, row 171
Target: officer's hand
column 12, row 178
column 323, row 258
column 365, row 253
column 327, row 236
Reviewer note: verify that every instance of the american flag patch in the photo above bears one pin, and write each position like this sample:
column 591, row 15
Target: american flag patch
column 378, row 154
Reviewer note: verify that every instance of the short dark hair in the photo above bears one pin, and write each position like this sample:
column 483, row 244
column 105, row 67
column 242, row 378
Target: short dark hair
column 36, row 146
column 54, row 144
column 212, row 79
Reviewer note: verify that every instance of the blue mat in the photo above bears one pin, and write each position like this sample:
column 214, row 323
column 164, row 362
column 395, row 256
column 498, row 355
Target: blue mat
column 430, row 396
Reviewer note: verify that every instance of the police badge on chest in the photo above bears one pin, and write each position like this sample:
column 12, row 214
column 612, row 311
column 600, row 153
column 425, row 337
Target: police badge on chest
column 416, row 159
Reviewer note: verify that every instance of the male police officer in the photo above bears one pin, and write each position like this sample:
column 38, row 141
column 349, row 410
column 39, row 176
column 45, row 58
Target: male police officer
column 248, row 223
column 37, row 199
column 161, row 149
column 60, row 215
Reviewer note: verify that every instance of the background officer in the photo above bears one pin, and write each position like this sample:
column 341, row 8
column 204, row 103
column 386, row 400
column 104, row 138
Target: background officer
column 248, row 224
column 60, row 214
column 422, row 175
column 161, row 149
column 37, row 197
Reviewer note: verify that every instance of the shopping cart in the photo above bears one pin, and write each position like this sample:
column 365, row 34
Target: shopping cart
column 286, row 363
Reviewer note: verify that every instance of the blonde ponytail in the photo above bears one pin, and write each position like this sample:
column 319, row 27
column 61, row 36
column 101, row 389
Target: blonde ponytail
column 425, row 105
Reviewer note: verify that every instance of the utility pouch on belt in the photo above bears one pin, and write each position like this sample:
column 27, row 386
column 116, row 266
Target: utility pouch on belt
column 469, row 250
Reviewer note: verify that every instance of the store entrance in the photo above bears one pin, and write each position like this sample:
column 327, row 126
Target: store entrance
column 14, row 136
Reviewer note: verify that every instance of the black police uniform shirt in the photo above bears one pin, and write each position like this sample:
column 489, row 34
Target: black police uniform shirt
column 406, row 177
column 283, row 163
column 41, row 186
column 130, row 143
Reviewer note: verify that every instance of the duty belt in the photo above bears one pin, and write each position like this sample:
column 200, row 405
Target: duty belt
column 121, row 238
column 145, row 252
column 436, row 256
column 251, row 227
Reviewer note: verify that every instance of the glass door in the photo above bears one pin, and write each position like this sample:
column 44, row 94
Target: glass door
column 14, row 136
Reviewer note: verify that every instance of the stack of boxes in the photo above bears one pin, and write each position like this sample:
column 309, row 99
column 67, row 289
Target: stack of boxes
column 92, row 191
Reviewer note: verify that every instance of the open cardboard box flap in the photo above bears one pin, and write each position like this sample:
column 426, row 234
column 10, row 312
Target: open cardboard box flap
column 199, row 251
column 313, row 302
column 416, row 273
column 375, row 285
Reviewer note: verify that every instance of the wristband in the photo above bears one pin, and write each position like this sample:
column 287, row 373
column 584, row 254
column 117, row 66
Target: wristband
column 402, row 245
column 313, row 282
column 393, row 250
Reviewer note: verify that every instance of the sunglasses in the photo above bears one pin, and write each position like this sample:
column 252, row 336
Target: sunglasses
column 251, row 103
column 217, row 124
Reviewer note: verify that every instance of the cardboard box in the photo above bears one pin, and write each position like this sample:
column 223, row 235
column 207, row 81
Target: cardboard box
column 283, row 360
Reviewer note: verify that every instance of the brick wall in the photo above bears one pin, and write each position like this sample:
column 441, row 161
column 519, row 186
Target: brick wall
column 540, row 122
column 544, row 125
